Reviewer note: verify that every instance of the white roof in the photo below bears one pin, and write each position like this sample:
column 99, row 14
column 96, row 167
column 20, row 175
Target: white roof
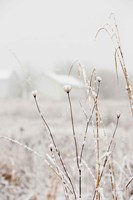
column 65, row 79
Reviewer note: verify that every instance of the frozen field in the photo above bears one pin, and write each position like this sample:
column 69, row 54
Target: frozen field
column 24, row 176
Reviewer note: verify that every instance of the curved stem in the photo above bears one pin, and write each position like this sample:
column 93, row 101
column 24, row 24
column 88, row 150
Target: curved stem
column 55, row 146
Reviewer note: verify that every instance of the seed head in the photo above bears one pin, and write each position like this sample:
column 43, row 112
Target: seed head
column 34, row 93
column 99, row 79
column 51, row 147
column 67, row 88
column 118, row 115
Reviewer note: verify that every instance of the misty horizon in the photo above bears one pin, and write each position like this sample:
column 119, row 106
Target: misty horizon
column 49, row 34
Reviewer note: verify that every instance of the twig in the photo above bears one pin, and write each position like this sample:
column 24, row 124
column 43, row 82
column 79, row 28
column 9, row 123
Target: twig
column 108, row 150
column 129, row 182
column 119, row 54
column 75, row 142
column 87, row 125
column 55, row 146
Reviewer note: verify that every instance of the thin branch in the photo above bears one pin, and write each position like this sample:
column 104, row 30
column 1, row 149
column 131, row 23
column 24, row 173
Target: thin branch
column 129, row 182
column 87, row 126
column 55, row 146
column 108, row 150
column 75, row 142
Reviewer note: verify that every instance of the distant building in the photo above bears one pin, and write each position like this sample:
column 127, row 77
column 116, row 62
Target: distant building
column 5, row 77
column 10, row 85
column 50, row 85
column 4, row 82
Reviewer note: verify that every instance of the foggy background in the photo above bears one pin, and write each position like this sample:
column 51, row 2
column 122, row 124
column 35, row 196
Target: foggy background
column 50, row 35
column 39, row 41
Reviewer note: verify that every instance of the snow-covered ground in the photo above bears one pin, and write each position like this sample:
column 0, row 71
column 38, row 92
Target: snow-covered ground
column 25, row 176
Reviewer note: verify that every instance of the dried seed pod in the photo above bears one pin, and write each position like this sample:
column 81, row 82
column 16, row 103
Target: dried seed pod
column 99, row 79
column 67, row 88
column 34, row 93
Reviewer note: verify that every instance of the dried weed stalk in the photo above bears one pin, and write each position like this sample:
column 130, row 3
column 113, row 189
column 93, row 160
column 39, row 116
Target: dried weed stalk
column 113, row 32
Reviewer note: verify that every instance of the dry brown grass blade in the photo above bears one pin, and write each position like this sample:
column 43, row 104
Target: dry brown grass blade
column 116, row 64
column 101, row 29
column 118, row 54
column 111, row 36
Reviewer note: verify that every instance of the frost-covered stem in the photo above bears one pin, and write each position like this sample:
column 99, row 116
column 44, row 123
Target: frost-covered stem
column 129, row 182
column 80, row 181
column 126, row 187
column 45, row 123
column 111, row 141
column 75, row 142
column 73, row 129
column 114, row 184
column 119, row 54
column 97, row 149
column 36, row 154
column 85, row 135
column 87, row 126
column 97, row 117
column 55, row 146
column 66, row 192
column 111, row 181
column 108, row 150
column 24, row 146
column 62, row 177
column 128, row 85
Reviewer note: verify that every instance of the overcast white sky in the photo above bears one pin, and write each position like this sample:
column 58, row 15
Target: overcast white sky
column 46, row 33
